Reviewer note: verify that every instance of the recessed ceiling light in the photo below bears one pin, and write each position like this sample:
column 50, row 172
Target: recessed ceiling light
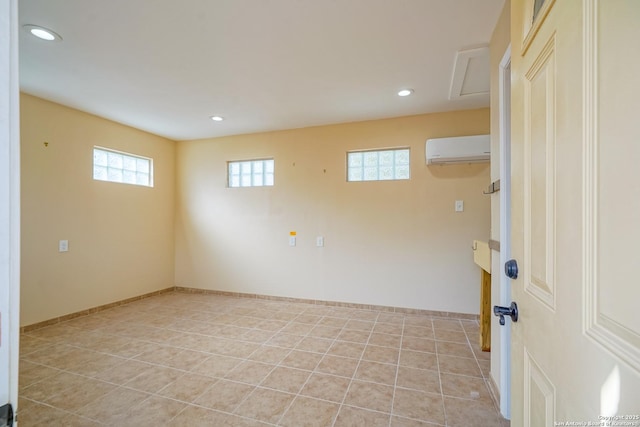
column 217, row 118
column 405, row 92
column 42, row 33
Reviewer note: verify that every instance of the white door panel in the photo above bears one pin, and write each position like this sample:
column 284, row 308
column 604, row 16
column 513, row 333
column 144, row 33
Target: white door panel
column 575, row 211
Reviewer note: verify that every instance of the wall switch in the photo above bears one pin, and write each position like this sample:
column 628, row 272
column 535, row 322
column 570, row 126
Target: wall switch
column 63, row 246
column 319, row 241
column 292, row 240
column 459, row 205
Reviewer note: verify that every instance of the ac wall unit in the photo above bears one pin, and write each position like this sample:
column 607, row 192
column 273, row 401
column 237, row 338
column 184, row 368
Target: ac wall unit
column 458, row 149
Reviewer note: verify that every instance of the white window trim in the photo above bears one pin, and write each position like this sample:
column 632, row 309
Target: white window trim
column 262, row 159
column 378, row 150
column 124, row 153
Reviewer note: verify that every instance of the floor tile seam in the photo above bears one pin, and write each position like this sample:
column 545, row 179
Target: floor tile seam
column 346, row 393
column 444, row 408
column 312, row 372
column 38, row 402
column 417, row 419
column 474, row 356
column 395, row 380
column 222, row 412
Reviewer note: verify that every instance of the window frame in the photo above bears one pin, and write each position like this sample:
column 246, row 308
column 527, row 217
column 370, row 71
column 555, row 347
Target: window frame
column 379, row 150
column 150, row 173
column 251, row 162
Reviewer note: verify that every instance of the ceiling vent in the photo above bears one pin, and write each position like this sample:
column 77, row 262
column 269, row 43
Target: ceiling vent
column 471, row 73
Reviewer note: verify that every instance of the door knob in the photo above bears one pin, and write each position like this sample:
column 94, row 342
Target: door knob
column 511, row 269
column 511, row 311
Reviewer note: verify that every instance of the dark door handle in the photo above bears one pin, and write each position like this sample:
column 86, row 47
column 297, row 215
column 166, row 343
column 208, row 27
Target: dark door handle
column 511, row 311
column 511, row 269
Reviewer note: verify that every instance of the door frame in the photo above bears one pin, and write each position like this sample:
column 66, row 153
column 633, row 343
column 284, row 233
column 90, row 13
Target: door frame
column 504, row 87
column 9, row 204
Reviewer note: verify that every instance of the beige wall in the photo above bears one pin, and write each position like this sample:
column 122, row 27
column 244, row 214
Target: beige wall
column 396, row 243
column 121, row 237
column 498, row 46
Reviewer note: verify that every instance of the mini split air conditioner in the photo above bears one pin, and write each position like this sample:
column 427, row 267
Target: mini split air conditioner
column 459, row 149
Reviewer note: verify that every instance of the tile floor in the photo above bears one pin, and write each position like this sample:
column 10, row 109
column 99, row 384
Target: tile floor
column 206, row 360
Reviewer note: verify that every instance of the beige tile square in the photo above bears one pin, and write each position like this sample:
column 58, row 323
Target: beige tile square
column 419, row 405
column 385, row 340
column 41, row 415
column 284, row 340
column 265, row 405
column 269, row 354
column 454, row 349
column 289, row 380
column 419, row 379
column 459, row 365
column 360, row 325
column 74, row 398
column 418, row 359
column 250, row 372
column 449, row 324
column 302, row 360
column 346, row 349
column 311, row 319
column 154, row 379
column 308, row 412
column 188, row 387
column 372, row 396
column 257, row 336
column 381, row 354
column 326, row 387
column 470, row 413
column 124, row 372
column 453, row 336
column 327, row 332
column 387, row 328
column 406, row 422
column 216, row 366
column 111, row 406
column 335, row 365
column 298, row 328
column 196, row 416
column 30, row 373
column 52, row 386
column 381, row 373
column 465, row 387
column 418, row 320
column 354, row 336
column 224, row 395
column 417, row 331
column 418, row 344
column 154, row 411
column 358, row 417
column 335, row 322
column 391, row 318
column 314, row 344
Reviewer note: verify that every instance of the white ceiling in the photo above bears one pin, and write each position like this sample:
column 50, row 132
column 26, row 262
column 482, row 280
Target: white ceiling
column 165, row 66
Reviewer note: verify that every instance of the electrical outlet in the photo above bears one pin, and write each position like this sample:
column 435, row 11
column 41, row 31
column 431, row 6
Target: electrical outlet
column 63, row 246
column 319, row 241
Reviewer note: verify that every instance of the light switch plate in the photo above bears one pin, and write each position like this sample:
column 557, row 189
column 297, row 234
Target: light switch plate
column 63, row 246
column 459, row 206
column 292, row 240
column 319, row 241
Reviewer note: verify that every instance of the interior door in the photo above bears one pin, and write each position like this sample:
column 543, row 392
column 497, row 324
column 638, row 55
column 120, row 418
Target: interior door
column 575, row 211
column 9, row 211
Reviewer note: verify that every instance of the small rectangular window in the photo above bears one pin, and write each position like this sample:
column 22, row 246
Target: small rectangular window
column 379, row 165
column 251, row 173
column 116, row 166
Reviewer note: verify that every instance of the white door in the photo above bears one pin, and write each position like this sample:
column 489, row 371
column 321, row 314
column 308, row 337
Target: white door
column 9, row 208
column 576, row 211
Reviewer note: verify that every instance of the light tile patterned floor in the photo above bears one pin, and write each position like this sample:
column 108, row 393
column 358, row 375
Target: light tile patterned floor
column 205, row 360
